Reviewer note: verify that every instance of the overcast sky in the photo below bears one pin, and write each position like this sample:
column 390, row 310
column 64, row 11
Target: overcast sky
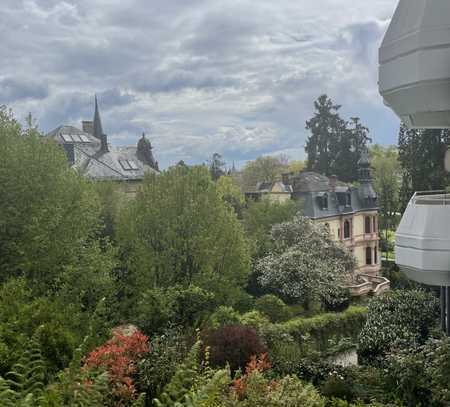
column 237, row 77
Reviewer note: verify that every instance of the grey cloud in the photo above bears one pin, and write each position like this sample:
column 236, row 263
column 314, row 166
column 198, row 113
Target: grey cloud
column 176, row 80
column 198, row 75
column 16, row 89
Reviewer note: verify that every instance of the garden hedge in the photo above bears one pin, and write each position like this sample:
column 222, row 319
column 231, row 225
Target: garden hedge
column 324, row 327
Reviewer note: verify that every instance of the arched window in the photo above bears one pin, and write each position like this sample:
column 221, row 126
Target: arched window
column 375, row 255
column 368, row 256
column 346, row 229
column 367, row 224
column 374, row 224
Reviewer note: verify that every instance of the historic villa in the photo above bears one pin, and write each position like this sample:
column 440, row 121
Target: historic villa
column 350, row 212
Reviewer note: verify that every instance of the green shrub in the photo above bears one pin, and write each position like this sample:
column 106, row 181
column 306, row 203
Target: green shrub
column 191, row 305
column 243, row 302
column 337, row 386
column 337, row 300
column 224, row 316
column 254, row 319
column 289, row 357
column 158, row 308
column 321, row 328
column 153, row 311
column 273, row 307
column 167, row 352
column 397, row 319
column 289, row 392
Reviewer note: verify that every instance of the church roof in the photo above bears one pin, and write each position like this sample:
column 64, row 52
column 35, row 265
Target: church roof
column 93, row 157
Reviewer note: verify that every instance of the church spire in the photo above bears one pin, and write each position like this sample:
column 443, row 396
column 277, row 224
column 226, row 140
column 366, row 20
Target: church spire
column 98, row 130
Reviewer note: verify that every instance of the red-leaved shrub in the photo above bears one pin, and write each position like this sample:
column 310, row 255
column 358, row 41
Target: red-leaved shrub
column 119, row 357
column 233, row 344
column 261, row 364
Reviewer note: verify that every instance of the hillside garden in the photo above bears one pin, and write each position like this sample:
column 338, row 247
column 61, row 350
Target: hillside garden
column 188, row 296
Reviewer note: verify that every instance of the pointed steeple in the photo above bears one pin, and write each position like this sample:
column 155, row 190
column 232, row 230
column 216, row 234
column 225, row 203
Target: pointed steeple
column 98, row 130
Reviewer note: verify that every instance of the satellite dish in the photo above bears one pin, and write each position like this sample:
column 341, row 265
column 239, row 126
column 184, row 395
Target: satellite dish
column 414, row 75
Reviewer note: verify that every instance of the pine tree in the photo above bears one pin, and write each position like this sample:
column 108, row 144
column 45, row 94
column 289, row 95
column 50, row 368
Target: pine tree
column 335, row 145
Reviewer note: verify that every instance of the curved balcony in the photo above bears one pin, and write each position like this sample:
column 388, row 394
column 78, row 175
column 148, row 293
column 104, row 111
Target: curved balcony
column 423, row 239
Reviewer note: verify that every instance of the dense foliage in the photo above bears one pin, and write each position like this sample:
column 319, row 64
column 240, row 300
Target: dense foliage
column 335, row 145
column 421, row 154
column 233, row 345
column 79, row 259
column 305, row 264
column 399, row 319
column 386, row 175
column 179, row 231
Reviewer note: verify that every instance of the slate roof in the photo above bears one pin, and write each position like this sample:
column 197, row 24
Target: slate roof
column 267, row 186
column 110, row 165
column 312, row 189
column 94, row 158
column 57, row 135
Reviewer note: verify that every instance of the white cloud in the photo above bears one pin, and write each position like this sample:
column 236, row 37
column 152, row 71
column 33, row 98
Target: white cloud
column 234, row 76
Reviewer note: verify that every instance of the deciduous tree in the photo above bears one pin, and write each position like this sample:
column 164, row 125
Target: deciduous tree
column 305, row 264
column 178, row 230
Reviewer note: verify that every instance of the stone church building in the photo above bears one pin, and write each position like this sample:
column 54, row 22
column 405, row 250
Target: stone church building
column 88, row 152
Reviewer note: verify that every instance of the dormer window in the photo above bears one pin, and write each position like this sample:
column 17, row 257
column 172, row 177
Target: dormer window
column 75, row 138
column 325, row 201
column 128, row 165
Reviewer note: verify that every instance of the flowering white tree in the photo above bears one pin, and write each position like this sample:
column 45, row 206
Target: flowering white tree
column 306, row 264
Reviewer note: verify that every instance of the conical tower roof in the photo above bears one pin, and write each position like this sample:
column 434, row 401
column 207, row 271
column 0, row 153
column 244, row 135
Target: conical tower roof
column 98, row 130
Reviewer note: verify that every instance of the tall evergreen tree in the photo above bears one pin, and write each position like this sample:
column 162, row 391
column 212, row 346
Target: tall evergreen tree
column 216, row 166
column 421, row 155
column 335, row 145
column 326, row 129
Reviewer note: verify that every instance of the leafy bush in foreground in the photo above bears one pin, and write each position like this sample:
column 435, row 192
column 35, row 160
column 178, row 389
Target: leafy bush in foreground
column 119, row 357
column 233, row 344
column 397, row 319
column 157, row 367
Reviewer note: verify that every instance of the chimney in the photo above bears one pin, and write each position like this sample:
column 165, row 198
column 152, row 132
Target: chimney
column 285, row 178
column 104, row 144
column 333, row 182
column 88, row 126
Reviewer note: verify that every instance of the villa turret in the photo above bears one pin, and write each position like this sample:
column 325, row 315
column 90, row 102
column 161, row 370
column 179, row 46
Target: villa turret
column 145, row 154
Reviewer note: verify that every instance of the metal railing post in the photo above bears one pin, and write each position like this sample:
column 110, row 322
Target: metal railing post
column 448, row 310
column 443, row 309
